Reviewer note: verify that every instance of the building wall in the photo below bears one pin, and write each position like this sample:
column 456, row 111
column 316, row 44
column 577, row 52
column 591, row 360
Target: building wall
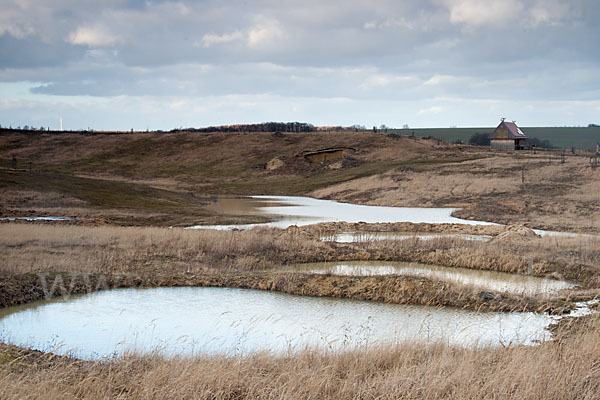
column 501, row 133
column 502, row 144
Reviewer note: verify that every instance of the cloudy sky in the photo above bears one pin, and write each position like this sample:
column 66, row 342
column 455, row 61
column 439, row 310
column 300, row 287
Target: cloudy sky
column 122, row 64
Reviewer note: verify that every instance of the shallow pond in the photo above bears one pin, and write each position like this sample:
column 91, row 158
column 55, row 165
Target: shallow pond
column 43, row 219
column 486, row 280
column 190, row 320
column 355, row 237
column 290, row 210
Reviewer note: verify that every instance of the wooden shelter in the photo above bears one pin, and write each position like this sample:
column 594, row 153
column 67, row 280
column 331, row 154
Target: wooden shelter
column 324, row 155
column 508, row 136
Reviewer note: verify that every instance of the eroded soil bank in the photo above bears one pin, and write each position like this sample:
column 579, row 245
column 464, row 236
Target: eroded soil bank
column 22, row 289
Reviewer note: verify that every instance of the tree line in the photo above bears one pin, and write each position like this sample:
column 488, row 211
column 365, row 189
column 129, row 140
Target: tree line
column 262, row 127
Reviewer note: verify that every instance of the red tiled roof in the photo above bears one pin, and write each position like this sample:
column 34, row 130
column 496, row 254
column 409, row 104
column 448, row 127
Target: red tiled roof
column 514, row 130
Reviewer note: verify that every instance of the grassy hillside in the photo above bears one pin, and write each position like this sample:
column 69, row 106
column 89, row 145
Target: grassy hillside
column 168, row 178
column 214, row 161
column 160, row 178
column 563, row 138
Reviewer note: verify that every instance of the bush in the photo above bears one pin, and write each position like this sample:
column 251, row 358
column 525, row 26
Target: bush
column 544, row 144
column 479, row 139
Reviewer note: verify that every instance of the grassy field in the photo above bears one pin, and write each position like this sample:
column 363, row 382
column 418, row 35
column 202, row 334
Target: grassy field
column 580, row 138
column 567, row 368
column 134, row 186
column 167, row 179
column 518, row 188
column 174, row 256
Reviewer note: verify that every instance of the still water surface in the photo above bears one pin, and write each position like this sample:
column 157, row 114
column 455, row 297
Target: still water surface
column 485, row 280
column 356, row 237
column 291, row 210
column 190, row 320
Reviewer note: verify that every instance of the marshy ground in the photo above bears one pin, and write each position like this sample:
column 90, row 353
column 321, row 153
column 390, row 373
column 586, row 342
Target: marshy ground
column 151, row 181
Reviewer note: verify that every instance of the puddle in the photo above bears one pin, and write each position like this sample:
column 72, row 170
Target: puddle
column 44, row 219
column 486, row 280
column 544, row 233
column 355, row 237
column 190, row 321
column 290, row 210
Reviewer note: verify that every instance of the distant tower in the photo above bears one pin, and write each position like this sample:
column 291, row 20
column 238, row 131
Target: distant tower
column 60, row 123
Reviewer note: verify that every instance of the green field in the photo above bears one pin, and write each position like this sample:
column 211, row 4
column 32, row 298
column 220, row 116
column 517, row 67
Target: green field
column 563, row 138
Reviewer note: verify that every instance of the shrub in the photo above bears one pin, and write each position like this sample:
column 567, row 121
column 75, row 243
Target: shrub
column 479, row 139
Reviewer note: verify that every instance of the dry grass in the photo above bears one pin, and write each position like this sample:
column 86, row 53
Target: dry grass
column 524, row 189
column 23, row 199
column 504, row 188
column 156, row 176
column 35, row 247
column 191, row 159
column 576, row 258
column 566, row 369
column 111, row 250
column 555, row 195
column 133, row 256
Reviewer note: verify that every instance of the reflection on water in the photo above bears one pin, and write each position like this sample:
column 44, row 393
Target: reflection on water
column 190, row 320
column 488, row 280
column 290, row 210
column 241, row 205
column 355, row 237
column 43, row 219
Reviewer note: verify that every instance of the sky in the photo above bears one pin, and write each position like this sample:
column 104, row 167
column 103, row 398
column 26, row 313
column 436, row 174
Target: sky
column 141, row 64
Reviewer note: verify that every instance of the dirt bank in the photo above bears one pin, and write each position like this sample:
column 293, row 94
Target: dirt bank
column 22, row 289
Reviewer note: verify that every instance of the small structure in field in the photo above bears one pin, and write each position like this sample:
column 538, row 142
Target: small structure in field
column 508, row 136
column 325, row 155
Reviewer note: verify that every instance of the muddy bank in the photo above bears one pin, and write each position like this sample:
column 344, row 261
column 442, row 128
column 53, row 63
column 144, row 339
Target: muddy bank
column 21, row 289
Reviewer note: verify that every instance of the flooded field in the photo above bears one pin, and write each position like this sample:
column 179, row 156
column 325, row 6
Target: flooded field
column 290, row 210
column 485, row 280
column 190, row 320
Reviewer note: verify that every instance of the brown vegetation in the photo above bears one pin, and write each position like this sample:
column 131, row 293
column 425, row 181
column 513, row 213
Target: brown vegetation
column 170, row 178
column 128, row 256
column 167, row 178
column 509, row 189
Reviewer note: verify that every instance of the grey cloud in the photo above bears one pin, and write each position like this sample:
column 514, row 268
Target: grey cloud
column 359, row 49
column 33, row 52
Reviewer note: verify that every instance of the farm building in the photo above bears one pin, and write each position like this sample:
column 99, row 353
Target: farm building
column 507, row 136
